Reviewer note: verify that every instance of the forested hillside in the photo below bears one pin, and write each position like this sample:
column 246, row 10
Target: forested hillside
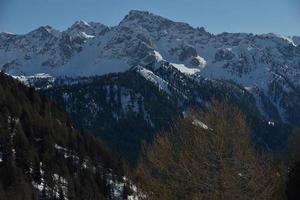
column 43, row 157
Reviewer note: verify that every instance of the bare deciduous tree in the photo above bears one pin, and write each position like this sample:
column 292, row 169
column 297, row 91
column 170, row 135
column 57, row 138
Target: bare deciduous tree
column 208, row 155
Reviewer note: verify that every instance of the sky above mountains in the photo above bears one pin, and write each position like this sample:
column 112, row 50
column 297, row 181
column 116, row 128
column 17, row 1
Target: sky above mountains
column 256, row 16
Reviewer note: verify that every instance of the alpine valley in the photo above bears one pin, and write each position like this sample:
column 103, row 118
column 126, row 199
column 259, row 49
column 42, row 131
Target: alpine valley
column 126, row 82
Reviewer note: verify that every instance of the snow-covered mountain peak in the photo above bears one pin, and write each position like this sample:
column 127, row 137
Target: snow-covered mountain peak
column 143, row 18
column 136, row 15
column 44, row 31
column 138, row 39
column 152, row 22
column 81, row 23
column 85, row 29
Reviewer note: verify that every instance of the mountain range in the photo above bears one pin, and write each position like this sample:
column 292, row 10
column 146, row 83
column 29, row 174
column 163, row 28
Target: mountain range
column 128, row 81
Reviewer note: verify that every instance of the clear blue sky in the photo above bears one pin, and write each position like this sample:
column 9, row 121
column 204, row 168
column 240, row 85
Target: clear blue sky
column 258, row 16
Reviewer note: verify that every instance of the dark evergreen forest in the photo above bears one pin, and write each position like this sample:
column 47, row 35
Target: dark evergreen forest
column 42, row 156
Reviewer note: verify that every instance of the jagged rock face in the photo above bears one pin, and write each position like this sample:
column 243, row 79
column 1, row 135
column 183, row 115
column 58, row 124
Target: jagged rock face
column 267, row 65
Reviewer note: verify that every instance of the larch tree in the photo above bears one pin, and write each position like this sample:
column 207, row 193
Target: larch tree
column 208, row 155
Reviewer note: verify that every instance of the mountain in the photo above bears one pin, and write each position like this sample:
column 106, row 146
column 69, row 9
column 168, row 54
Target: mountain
column 123, row 109
column 42, row 156
column 130, row 80
column 127, row 108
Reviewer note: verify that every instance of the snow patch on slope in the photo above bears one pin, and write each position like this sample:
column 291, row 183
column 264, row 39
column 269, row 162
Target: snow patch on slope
column 150, row 76
column 186, row 70
column 158, row 56
column 200, row 124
